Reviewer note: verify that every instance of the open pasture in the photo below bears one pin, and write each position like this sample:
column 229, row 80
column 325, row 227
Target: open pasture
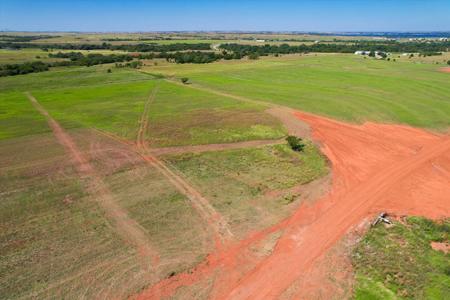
column 346, row 87
column 58, row 241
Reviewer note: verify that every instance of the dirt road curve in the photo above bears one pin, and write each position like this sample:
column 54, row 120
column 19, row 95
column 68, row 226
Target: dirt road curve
column 386, row 166
column 129, row 229
column 376, row 167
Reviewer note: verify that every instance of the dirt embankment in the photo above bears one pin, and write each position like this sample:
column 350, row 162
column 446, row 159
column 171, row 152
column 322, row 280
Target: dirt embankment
column 398, row 169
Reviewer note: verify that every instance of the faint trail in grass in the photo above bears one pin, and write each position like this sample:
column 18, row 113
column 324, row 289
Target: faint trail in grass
column 283, row 113
column 128, row 228
column 216, row 221
column 213, row 147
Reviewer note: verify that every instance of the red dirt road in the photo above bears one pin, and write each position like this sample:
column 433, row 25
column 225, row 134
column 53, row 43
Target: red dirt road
column 376, row 168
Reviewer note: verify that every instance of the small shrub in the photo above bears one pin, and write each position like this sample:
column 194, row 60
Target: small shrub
column 253, row 56
column 109, row 71
column 185, row 80
column 295, row 143
column 448, row 62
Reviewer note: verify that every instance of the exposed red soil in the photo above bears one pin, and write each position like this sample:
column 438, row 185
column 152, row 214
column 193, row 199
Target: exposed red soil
column 375, row 168
column 444, row 247
column 445, row 70
column 128, row 228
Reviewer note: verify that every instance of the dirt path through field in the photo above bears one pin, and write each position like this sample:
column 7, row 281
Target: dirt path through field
column 376, row 167
column 128, row 229
column 216, row 221
column 283, row 113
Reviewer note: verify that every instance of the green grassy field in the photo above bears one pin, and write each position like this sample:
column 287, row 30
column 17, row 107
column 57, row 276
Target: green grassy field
column 56, row 242
column 399, row 263
column 242, row 183
column 114, row 102
column 345, row 87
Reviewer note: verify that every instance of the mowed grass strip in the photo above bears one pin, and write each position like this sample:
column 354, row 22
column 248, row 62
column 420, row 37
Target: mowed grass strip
column 183, row 116
column 346, row 87
column 398, row 262
column 238, row 182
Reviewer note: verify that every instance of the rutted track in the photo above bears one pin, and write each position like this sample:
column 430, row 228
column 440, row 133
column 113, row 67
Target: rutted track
column 216, row 222
column 129, row 229
column 213, row 147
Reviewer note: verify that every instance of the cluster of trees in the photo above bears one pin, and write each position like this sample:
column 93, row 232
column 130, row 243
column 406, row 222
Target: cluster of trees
column 79, row 59
column 105, row 46
column 194, row 57
column 25, row 68
column 267, row 49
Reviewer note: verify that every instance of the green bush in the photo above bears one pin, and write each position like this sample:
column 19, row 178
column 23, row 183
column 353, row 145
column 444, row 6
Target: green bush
column 185, row 80
column 295, row 143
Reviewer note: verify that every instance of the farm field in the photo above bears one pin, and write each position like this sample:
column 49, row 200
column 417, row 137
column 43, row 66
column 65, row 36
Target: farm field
column 44, row 196
column 346, row 87
column 169, row 180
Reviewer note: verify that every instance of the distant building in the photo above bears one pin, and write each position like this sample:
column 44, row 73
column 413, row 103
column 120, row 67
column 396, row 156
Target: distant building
column 362, row 52
column 260, row 41
column 377, row 54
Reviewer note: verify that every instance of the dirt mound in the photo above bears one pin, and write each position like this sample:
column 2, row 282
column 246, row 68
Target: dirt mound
column 398, row 169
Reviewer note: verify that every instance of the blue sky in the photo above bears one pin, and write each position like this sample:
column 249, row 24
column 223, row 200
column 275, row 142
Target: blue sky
column 153, row 15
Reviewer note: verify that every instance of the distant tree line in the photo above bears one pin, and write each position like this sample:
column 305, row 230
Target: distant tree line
column 25, row 68
column 79, row 59
column 267, row 49
column 76, row 59
column 152, row 47
column 194, row 57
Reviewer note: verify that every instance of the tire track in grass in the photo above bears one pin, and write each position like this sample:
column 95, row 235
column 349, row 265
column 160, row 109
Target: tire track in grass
column 131, row 231
column 215, row 220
